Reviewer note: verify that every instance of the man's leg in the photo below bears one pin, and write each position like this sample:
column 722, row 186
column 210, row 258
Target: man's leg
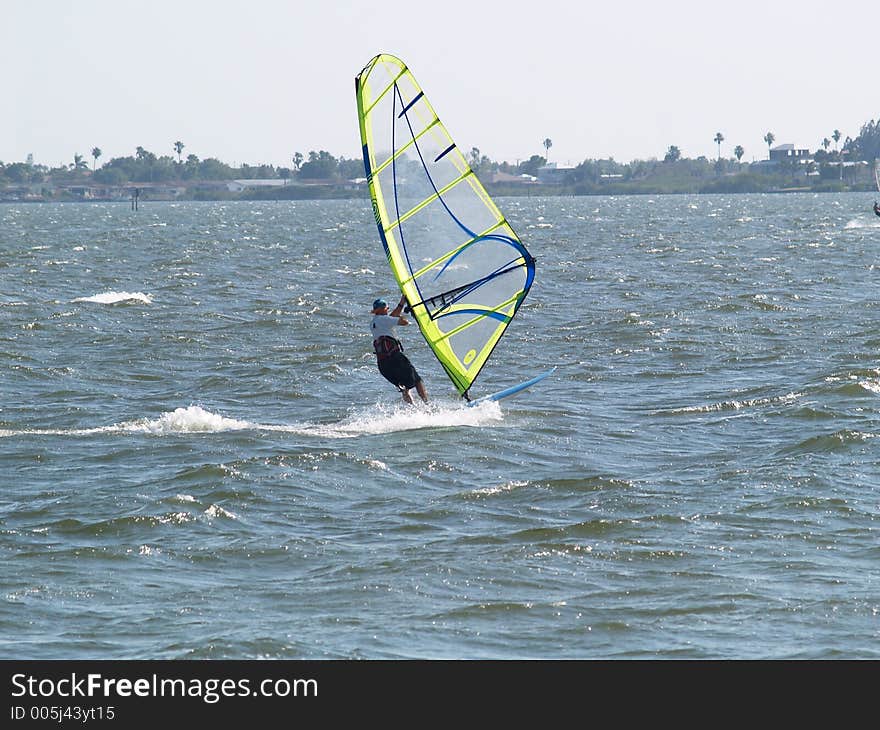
column 423, row 394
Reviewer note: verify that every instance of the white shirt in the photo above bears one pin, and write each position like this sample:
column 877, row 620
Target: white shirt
column 384, row 325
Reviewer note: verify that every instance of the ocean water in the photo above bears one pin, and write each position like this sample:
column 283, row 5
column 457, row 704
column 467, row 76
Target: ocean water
column 199, row 459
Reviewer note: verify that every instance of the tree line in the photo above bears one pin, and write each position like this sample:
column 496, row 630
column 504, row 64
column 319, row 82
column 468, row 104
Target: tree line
column 145, row 166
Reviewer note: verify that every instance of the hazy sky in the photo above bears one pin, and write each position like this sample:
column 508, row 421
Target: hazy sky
column 257, row 80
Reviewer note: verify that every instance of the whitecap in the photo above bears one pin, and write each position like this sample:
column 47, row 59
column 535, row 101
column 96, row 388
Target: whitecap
column 382, row 419
column 736, row 405
column 862, row 223
column 113, row 297
column 377, row 419
column 192, row 419
column 217, row 511
column 872, row 386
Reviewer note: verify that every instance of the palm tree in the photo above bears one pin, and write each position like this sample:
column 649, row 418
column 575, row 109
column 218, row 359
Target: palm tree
column 769, row 138
column 297, row 161
column 842, row 152
column 96, row 153
column 178, row 146
column 474, row 159
column 826, row 143
column 739, row 152
column 548, row 143
column 836, row 137
column 719, row 138
column 79, row 164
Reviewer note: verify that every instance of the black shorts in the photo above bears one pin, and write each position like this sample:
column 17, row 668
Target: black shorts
column 398, row 370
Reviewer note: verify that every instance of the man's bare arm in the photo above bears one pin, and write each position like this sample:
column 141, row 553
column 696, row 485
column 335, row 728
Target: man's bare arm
column 398, row 311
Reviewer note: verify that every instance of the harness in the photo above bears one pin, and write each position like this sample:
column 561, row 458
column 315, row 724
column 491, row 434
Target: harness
column 385, row 347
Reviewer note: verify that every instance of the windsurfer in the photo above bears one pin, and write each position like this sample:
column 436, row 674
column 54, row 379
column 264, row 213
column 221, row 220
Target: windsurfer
column 393, row 364
column 877, row 207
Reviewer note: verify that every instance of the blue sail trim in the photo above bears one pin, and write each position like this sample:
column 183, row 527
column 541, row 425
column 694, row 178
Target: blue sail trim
column 382, row 236
column 494, row 315
column 407, row 107
column 444, row 152
column 530, row 277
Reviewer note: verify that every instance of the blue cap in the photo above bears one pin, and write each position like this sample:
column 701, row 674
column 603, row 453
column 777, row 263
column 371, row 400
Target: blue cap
column 379, row 303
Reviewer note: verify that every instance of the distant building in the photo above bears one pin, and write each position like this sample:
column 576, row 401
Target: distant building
column 788, row 153
column 159, row 191
column 21, row 192
column 551, row 174
column 237, row 186
column 507, row 178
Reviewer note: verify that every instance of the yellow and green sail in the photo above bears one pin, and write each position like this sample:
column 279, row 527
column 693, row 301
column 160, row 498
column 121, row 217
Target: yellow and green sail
column 462, row 269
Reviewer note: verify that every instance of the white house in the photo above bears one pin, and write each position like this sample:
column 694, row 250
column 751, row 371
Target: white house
column 552, row 174
column 237, row 186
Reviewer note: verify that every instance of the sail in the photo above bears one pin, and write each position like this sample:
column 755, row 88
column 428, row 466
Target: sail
column 877, row 173
column 463, row 270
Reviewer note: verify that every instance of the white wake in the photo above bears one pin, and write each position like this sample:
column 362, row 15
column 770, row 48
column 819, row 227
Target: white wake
column 376, row 419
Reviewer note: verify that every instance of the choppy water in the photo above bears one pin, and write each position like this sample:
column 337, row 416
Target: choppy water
column 199, row 459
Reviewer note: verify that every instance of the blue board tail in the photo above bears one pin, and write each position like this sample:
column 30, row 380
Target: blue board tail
column 513, row 389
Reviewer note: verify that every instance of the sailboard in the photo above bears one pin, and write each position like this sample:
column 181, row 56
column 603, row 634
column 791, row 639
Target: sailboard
column 513, row 390
column 462, row 268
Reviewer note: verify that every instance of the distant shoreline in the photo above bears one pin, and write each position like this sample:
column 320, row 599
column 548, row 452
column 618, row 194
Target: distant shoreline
column 322, row 176
column 544, row 191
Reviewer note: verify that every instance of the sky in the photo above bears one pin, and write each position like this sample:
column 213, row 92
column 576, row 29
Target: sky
column 255, row 81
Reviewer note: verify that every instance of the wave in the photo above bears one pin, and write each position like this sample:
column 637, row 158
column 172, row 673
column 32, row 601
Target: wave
column 113, row 297
column 860, row 388
column 831, row 442
column 862, row 381
column 378, row 419
column 734, row 405
column 862, row 223
column 192, row 419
